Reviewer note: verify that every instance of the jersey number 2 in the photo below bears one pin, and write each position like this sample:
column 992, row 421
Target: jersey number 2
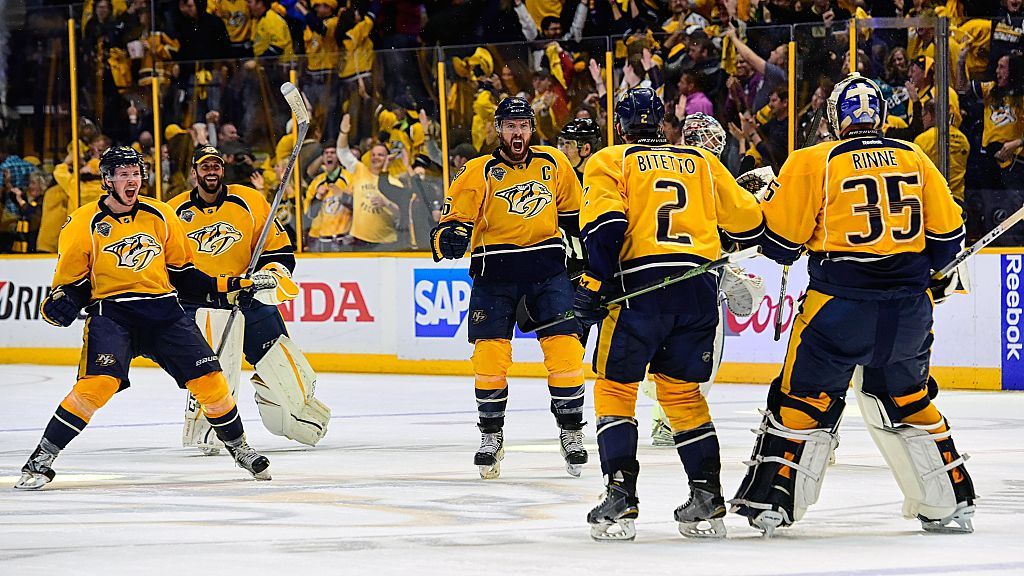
column 666, row 210
column 893, row 184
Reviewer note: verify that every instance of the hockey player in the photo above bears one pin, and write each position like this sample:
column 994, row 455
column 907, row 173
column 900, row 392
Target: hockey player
column 223, row 223
column 508, row 206
column 743, row 292
column 650, row 210
column 122, row 257
column 875, row 216
column 580, row 138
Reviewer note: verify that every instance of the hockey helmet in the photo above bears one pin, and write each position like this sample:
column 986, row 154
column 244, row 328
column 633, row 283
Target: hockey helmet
column 855, row 101
column 514, row 108
column 639, row 113
column 117, row 156
column 582, row 130
column 703, row 131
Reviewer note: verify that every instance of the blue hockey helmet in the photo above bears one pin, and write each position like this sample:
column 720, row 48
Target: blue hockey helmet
column 639, row 113
column 513, row 108
column 855, row 101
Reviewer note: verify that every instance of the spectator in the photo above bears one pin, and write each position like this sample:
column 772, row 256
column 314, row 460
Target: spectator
column 375, row 213
column 1003, row 132
column 767, row 145
column 238, row 23
column 741, row 88
column 772, row 71
column 459, row 156
column 691, row 98
column 921, row 90
column 328, row 204
column 270, row 34
column 818, row 99
column 22, row 213
column 550, row 105
column 353, row 36
column 893, row 82
column 959, row 149
column 12, row 166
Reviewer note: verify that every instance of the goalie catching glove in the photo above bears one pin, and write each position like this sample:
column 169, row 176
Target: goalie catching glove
column 756, row 181
column 280, row 286
column 743, row 292
column 450, row 240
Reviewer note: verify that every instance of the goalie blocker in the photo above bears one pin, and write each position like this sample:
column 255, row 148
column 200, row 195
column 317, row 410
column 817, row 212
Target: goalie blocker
column 285, row 385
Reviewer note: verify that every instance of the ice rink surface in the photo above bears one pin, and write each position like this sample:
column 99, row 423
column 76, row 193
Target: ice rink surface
column 392, row 490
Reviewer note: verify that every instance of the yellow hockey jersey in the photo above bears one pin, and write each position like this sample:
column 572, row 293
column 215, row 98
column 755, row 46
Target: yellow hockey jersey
column 236, row 17
column 959, row 149
column 271, row 31
column 224, row 234
column 334, row 216
column 875, row 214
column 1004, row 119
column 358, row 50
column 321, row 49
column 515, row 211
column 126, row 256
column 653, row 210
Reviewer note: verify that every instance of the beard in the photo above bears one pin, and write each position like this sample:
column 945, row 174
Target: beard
column 515, row 148
column 210, row 188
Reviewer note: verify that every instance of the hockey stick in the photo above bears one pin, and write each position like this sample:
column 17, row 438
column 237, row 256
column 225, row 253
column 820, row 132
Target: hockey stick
column 294, row 99
column 984, row 241
column 810, row 140
column 657, row 285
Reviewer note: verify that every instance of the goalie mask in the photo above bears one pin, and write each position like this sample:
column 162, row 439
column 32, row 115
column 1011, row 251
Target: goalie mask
column 703, row 131
column 855, row 101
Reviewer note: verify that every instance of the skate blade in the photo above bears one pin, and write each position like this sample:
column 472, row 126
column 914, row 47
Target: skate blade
column 490, row 471
column 574, row 470
column 958, row 523
column 208, row 450
column 261, row 476
column 767, row 522
column 30, row 481
column 710, row 529
column 622, row 530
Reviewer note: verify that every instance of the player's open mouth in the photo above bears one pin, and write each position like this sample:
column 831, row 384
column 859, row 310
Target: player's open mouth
column 130, row 193
column 518, row 145
column 212, row 180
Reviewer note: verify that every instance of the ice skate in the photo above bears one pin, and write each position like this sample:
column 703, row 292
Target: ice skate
column 488, row 457
column 701, row 515
column 38, row 471
column 249, row 459
column 960, row 520
column 661, row 434
column 571, row 444
column 613, row 518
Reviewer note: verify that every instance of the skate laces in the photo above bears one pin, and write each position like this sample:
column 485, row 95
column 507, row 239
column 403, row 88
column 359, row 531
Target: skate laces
column 572, row 440
column 243, row 453
column 490, row 442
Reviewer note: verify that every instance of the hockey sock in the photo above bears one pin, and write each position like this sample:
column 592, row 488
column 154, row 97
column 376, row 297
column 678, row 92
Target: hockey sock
column 491, row 361
column 563, row 359
column 87, row 396
column 211, row 390
column 700, row 454
column 617, row 442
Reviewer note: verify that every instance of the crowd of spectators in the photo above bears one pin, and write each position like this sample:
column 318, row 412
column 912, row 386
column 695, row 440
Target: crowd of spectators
column 371, row 67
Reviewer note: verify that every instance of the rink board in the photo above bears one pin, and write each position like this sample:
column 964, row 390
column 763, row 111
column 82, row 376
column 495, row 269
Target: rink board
column 405, row 314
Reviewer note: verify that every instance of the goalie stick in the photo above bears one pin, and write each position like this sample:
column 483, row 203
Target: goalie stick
column 666, row 281
column 810, row 140
column 294, row 99
column 984, row 241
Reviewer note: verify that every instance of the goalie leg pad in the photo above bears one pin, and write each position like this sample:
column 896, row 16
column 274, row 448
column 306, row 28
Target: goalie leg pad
column 930, row 472
column 795, row 442
column 285, row 385
column 197, row 430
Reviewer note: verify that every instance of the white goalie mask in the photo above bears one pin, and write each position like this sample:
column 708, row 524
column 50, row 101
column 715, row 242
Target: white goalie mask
column 703, row 131
column 855, row 100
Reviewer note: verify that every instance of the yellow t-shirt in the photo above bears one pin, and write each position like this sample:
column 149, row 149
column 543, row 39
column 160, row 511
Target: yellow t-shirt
column 271, row 30
column 959, row 148
column 236, row 17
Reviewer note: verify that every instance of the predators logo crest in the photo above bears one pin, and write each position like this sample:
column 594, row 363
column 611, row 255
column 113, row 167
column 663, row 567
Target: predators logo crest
column 135, row 252
column 527, row 200
column 216, row 238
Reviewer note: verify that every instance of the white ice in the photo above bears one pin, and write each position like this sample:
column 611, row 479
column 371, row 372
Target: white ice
column 392, row 489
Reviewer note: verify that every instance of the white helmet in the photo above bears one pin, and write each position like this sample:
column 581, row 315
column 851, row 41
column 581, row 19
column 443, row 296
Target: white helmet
column 703, row 131
column 855, row 100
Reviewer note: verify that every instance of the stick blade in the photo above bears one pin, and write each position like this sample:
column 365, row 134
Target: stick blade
column 294, row 99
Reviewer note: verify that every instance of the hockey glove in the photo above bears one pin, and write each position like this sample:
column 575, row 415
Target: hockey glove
column 587, row 303
column 450, row 240
column 228, row 284
column 60, row 308
column 283, row 288
column 955, row 281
